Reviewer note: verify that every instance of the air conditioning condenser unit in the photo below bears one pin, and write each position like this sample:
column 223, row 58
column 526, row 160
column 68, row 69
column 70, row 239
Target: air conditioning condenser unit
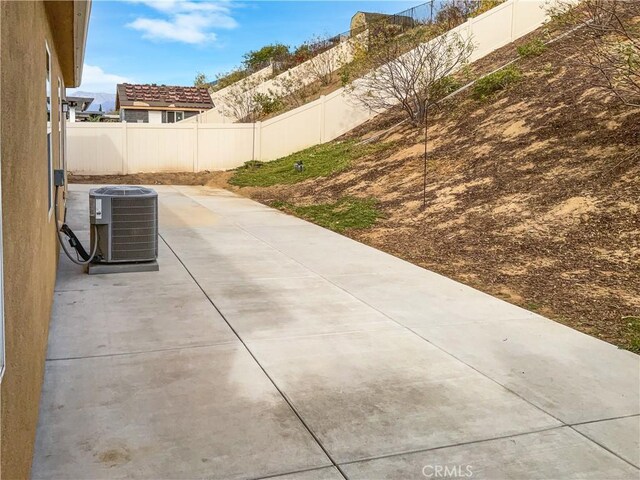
column 125, row 221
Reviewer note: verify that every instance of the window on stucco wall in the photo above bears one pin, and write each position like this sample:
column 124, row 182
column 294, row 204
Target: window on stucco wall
column 173, row 117
column 49, row 136
column 2, row 358
column 61, row 127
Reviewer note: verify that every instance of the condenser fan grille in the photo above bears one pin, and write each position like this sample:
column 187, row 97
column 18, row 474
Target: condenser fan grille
column 124, row 190
column 134, row 228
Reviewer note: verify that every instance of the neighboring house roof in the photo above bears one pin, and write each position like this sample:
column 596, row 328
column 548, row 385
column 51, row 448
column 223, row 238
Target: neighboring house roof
column 82, row 102
column 169, row 96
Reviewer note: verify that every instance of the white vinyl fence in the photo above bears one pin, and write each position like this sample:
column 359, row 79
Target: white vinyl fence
column 102, row 148
column 121, row 148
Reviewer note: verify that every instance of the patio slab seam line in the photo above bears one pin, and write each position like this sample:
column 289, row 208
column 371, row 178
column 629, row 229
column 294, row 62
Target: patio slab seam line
column 484, row 440
column 255, row 359
column 563, row 423
column 451, row 445
column 604, row 447
column 566, row 424
column 141, row 352
column 631, row 415
column 293, row 472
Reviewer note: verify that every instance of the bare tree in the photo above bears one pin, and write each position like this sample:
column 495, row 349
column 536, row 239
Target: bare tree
column 320, row 68
column 246, row 101
column 294, row 89
column 409, row 71
column 240, row 100
column 612, row 28
column 327, row 56
column 201, row 80
column 320, row 60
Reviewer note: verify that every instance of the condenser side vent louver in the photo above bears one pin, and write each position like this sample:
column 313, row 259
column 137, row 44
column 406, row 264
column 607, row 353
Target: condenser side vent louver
column 134, row 229
column 126, row 219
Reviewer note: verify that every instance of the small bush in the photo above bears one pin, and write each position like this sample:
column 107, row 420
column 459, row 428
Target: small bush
column 495, row 82
column 632, row 333
column 267, row 104
column 532, row 49
column 254, row 60
column 356, row 67
column 226, row 79
column 345, row 75
column 485, row 6
column 445, row 86
column 252, row 164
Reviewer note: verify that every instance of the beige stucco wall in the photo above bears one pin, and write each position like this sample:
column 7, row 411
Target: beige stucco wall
column 30, row 250
column 358, row 21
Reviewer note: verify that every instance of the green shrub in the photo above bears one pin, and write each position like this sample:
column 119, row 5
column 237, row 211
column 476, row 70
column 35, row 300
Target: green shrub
column 267, row 104
column 445, row 86
column 257, row 59
column 632, row 333
column 226, row 79
column 357, row 66
column 201, row 80
column 532, row 48
column 484, row 6
column 495, row 82
column 345, row 76
column 302, row 53
column 252, row 164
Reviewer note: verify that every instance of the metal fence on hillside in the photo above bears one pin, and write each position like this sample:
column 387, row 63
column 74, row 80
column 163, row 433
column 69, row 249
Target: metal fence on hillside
column 446, row 14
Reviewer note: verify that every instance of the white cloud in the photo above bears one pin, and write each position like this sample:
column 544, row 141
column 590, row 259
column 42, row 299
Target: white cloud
column 94, row 79
column 184, row 21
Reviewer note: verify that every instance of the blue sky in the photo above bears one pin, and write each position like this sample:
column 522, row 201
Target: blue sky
column 168, row 41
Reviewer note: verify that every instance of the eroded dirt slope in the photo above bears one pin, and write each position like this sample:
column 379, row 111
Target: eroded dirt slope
column 532, row 195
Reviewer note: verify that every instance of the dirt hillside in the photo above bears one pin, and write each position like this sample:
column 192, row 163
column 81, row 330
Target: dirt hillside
column 532, row 194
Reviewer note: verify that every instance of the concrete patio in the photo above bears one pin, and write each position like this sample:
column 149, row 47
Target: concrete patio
column 270, row 347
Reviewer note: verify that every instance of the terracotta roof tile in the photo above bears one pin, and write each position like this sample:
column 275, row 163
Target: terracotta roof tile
column 164, row 95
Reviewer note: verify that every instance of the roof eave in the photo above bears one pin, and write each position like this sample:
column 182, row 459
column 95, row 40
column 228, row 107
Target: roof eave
column 166, row 107
column 81, row 13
